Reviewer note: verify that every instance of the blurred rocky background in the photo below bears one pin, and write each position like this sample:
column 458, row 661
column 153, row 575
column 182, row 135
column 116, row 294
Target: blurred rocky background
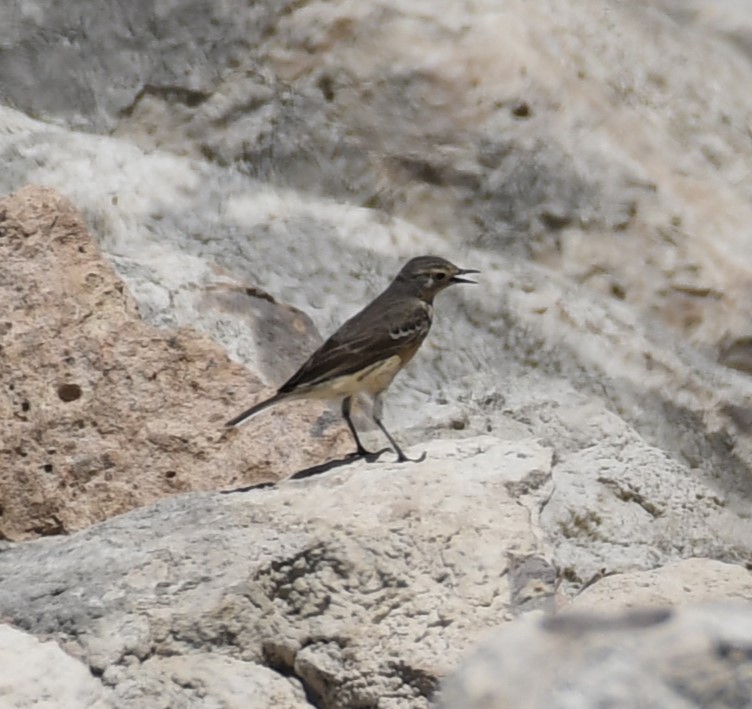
column 196, row 192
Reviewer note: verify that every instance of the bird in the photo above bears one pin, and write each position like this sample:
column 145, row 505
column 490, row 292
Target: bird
column 366, row 353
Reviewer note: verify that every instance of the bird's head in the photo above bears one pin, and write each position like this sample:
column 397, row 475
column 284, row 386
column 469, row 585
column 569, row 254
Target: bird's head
column 426, row 276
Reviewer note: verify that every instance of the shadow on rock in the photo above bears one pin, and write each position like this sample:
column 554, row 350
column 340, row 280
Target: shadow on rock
column 314, row 470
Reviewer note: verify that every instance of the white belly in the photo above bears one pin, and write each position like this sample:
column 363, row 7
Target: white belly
column 372, row 380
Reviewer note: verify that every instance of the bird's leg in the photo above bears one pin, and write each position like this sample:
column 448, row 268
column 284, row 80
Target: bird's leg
column 401, row 457
column 346, row 407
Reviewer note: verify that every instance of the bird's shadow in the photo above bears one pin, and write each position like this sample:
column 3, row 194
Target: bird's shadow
column 314, row 470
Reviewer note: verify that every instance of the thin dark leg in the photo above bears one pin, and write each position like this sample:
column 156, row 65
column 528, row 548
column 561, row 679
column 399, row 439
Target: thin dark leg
column 401, row 457
column 346, row 406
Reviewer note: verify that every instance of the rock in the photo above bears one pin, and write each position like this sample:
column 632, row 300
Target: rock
column 203, row 680
column 566, row 148
column 365, row 585
column 674, row 659
column 253, row 175
column 103, row 412
column 604, row 510
column 731, row 19
column 40, row 675
column 678, row 583
column 571, row 158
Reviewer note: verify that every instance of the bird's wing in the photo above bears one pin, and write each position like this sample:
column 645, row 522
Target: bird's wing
column 378, row 332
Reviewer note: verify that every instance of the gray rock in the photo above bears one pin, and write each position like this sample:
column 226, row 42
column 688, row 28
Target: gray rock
column 673, row 659
column 40, row 40
column 202, row 681
column 364, row 586
column 596, row 169
column 422, row 118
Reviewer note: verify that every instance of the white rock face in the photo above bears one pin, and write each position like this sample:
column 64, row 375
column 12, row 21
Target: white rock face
column 679, row 583
column 692, row 657
column 40, row 675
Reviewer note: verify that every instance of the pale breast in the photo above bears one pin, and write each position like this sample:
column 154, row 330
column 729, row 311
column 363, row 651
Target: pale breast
column 379, row 376
column 371, row 380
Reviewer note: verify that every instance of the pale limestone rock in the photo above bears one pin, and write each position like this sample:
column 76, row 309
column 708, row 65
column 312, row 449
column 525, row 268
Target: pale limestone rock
column 678, row 583
column 39, row 675
column 617, row 504
column 566, row 149
column 585, row 133
column 366, row 584
column 202, row 681
column 695, row 657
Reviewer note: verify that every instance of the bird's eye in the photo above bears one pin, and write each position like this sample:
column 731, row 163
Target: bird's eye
column 440, row 276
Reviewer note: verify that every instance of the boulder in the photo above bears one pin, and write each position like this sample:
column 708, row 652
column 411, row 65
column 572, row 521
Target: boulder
column 362, row 586
column 696, row 656
column 103, row 412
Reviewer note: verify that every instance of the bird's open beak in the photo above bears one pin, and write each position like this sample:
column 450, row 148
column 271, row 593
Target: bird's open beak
column 462, row 272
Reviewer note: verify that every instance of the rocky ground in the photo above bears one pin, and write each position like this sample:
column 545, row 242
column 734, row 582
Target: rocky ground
column 196, row 193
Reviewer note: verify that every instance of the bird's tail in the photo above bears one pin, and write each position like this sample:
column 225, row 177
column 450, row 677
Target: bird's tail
column 248, row 413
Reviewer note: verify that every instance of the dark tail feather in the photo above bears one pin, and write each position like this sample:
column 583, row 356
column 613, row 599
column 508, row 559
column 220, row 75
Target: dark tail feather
column 248, row 413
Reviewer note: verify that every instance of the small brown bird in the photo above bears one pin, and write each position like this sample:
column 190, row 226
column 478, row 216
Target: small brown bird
column 370, row 349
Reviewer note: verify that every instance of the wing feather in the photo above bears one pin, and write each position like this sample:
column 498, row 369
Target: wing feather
column 381, row 330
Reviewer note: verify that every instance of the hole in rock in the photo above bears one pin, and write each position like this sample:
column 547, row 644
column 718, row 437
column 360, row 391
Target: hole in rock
column 69, row 392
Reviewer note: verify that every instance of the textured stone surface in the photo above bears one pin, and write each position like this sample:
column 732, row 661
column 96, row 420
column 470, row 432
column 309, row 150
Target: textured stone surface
column 366, row 584
column 100, row 412
column 203, row 680
column 361, row 587
column 694, row 657
column 681, row 582
column 581, row 144
column 566, row 149
column 257, row 173
column 40, row 675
